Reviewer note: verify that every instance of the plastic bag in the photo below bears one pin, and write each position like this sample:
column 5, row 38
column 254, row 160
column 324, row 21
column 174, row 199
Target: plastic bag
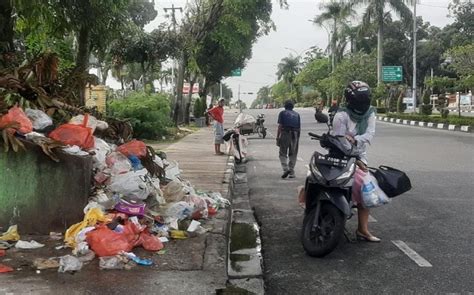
column 101, row 150
column 16, row 116
column 179, row 210
column 79, row 120
column 199, row 206
column 39, row 119
column 72, row 134
column 112, row 262
column 244, row 119
column 131, row 208
column 134, row 147
column 11, row 234
column 173, row 191
column 106, row 242
column 372, row 194
column 118, row 163
column 150, row 242
column 91, row 218
column 131, row 184
column 69, row 263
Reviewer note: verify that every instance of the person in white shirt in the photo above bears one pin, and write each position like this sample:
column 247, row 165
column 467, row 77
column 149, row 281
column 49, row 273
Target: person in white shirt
column 357, row 123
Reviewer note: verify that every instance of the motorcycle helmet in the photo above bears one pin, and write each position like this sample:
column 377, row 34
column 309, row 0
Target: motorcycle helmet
column 357, row 95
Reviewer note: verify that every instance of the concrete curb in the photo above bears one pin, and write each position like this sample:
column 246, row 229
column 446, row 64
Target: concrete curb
column 430, row 125
column 244, row 258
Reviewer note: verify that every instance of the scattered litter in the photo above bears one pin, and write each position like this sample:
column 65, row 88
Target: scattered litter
column 25, row 245
column 75, row 150
column 178, row 234
column 87, row 257
column 11, row 234
column 193, row 226
column 39, row 119
column 42, row 263
column 55, row 236
column 113, row 262
column 179, row 210
column 59, row 247
column 69, row 263
column 131, row 184
column 164, row 240
column 133, row 208
column 92, row 217
column 138, row 260
column 134, row 147
column 3, row 253
column 5, row 268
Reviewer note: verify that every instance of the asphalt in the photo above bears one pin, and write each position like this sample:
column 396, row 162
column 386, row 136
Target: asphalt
column 434, row 219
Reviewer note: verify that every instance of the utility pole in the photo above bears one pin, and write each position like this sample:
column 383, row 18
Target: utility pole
column 220, row 90
column 414, row 58
column 240, row 103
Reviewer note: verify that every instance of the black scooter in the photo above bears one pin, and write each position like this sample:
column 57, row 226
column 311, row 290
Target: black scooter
column 328, row 192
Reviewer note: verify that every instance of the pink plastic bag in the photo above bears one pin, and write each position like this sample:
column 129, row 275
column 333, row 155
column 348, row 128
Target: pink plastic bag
column 16, row 116
column 357, row 185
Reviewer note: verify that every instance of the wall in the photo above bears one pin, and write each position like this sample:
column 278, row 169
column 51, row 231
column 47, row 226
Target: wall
column 39, row 194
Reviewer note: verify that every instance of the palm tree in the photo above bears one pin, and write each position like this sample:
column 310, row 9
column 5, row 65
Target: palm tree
column 288, row 68
column 336, row 13
column 375, row 11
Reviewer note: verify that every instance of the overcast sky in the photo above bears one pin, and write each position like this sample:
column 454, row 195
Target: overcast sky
column 293, row 30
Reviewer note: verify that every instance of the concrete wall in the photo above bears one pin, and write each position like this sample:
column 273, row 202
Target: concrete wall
column 39, row 194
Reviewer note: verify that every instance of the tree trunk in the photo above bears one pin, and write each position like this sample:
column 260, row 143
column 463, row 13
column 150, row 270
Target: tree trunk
column 188, row 101
column 6, row 30
column 379, row 52
column 178, row 109
column 82, row 60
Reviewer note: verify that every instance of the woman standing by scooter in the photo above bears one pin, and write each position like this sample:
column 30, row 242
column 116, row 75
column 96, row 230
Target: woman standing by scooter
column 357, row 123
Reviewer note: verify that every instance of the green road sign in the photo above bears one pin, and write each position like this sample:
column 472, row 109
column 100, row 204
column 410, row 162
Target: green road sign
column 392, row 74
column 236, row 73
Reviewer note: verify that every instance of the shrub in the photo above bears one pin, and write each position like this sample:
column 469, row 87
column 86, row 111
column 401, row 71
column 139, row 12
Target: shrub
column 444, row 113
column 149, row 114
column 455, row 120
column 197, row 108
column 426, row 109
column 381, row 110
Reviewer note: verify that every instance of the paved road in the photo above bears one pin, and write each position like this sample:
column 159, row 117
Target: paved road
column 434, row 219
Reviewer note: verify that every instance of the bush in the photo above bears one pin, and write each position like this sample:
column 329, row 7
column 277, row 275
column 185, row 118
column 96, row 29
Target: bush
column 426, row 109
column 444, row 113
column 197, row 108
column 149, row 114
column 455, row 120
column 381, row 110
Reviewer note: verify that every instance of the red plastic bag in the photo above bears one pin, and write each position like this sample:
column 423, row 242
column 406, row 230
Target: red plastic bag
column 134, row 147
column 16, row 115
column 5, row 268
column 71, row 134
column 106, row 242
column 150, row 242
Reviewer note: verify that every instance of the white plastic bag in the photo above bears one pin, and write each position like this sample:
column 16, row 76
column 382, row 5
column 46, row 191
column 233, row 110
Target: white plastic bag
column 101, row 149
column 131, row 184
column 179, row 210
column 69, row 263
column 173, row 191
column 243, row 119
column 39, row 119
column 79, row 120
column 118, row 163
column 372, row 194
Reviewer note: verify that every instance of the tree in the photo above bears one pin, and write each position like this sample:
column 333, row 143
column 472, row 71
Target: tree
column 288, row 68
column 313, row 72
column 336, row 13
column 375, row 11
column 263, row 97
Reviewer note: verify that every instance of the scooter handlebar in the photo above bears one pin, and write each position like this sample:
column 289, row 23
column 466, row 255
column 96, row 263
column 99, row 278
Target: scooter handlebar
column 314, row 136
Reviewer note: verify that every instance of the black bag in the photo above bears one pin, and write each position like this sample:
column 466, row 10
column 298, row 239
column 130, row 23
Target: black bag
column 392, row 181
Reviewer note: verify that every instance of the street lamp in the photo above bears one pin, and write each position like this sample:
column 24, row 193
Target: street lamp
column 414, row 58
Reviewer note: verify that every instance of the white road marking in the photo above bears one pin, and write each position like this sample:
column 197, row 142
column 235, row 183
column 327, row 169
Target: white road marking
column 412, row 254
column 255, row 168
column 371, row 219
column 300, row 159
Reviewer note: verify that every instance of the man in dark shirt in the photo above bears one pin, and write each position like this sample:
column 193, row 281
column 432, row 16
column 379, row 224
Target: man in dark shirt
column 288, row 136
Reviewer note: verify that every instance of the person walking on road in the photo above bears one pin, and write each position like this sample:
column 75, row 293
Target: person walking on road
column 357, row 123
column 288, row 136
column 217, row 113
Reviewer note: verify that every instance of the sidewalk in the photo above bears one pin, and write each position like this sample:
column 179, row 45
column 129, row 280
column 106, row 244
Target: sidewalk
column 195, row 265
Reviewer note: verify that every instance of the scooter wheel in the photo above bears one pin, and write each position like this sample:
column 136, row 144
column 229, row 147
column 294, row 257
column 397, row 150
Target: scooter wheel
column 323, row 240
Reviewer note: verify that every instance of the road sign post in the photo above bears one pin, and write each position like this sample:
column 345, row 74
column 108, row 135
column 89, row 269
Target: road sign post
column 392, row 74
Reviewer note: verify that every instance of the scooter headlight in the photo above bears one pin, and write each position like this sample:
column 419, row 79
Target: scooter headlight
column 346, row 175
column 315, row 172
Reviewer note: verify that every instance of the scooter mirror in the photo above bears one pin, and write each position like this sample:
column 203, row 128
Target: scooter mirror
column 321, row 118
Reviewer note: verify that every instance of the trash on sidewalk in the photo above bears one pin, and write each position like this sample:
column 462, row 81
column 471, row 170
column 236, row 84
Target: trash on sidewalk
column 5, row 268
column 27, row 245
column 178, row 234
column 114, row 262
column 55, row 236
column 69, row 263
column 193, row 226
column 2, row 252
column 11, row 234
column 138, row 260
column 43, row 263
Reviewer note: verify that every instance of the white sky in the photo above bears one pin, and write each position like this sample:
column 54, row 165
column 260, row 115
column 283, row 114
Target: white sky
column 293, row 30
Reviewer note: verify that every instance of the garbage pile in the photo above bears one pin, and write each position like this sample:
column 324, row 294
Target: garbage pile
column 139, row 198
